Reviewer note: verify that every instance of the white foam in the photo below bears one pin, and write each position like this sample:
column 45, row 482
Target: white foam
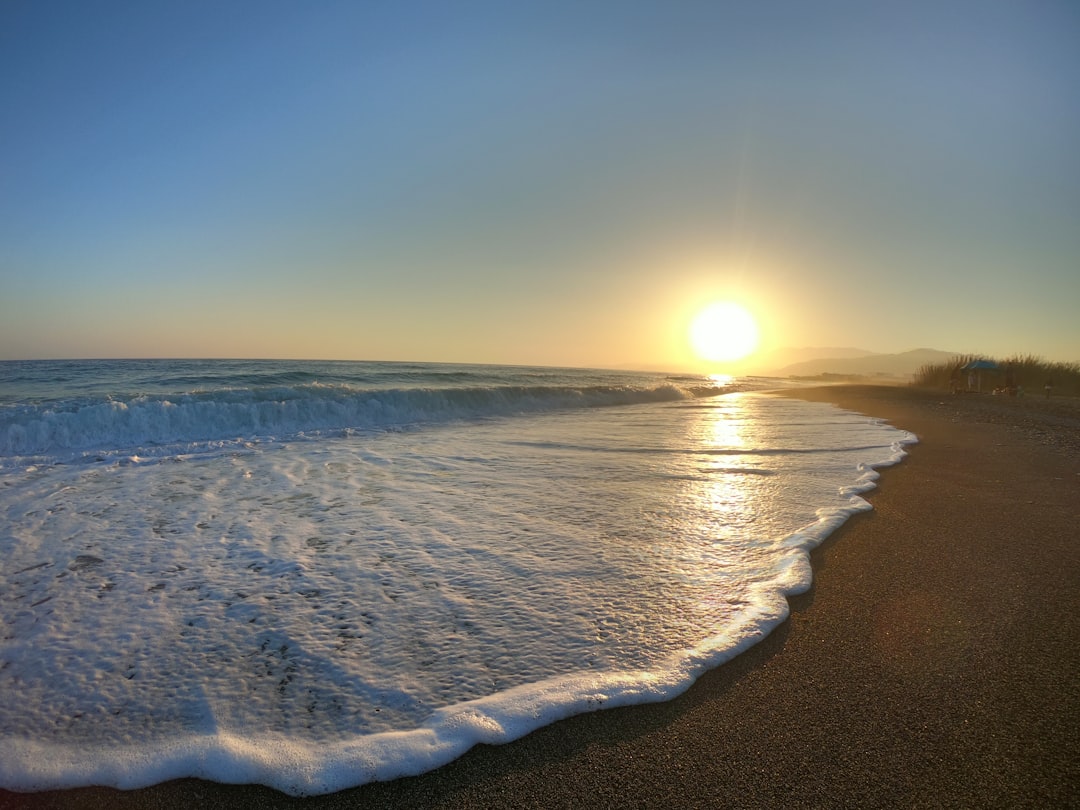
column 316, row 615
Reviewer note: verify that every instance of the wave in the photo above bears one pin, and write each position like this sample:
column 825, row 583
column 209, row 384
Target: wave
column 153, row 424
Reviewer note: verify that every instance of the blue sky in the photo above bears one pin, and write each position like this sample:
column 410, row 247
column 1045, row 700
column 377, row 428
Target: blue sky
column 555, row 183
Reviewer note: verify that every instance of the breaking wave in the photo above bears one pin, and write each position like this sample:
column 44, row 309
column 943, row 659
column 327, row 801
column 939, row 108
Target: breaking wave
column 177, row 423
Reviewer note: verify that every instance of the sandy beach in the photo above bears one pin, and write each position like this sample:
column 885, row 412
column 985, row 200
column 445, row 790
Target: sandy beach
column 934, row 663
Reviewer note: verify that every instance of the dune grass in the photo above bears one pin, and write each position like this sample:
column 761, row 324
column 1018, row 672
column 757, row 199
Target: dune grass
column 1029, row 373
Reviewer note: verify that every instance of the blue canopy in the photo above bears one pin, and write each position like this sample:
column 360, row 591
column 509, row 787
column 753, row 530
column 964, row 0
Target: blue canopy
column 976, row 365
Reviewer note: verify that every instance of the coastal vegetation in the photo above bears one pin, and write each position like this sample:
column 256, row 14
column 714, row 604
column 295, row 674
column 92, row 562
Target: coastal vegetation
column 1028, row 374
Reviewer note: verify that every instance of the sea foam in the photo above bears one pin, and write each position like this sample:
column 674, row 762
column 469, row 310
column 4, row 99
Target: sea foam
column 315, row 614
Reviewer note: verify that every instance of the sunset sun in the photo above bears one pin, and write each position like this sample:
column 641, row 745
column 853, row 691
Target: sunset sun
column 723, row 332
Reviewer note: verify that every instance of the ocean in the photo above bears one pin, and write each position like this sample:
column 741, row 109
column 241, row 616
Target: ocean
column 312, row 575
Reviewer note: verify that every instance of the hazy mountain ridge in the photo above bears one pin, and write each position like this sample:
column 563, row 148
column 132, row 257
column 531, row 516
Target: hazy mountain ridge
column 777, row 359
column 855, row 362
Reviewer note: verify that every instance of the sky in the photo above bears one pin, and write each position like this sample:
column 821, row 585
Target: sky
column 554, row 183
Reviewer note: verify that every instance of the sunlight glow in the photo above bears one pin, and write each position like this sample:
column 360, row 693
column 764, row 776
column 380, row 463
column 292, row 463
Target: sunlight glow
column 724, row 331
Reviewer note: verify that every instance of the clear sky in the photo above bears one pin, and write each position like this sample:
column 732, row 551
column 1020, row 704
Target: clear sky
column 560, row 183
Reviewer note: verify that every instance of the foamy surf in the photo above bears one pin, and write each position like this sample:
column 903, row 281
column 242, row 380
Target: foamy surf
column 319, row 609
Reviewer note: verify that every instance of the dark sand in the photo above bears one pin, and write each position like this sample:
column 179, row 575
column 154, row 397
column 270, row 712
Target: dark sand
column 935, row 663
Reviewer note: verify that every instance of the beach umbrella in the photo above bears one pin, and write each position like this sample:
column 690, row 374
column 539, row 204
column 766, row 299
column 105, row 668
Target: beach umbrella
column 979, row 366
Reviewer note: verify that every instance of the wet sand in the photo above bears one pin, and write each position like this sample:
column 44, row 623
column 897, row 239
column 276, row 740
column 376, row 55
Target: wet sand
column 934, row 663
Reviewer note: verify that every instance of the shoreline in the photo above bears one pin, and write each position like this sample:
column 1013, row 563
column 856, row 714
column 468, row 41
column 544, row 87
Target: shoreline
column 933, row 661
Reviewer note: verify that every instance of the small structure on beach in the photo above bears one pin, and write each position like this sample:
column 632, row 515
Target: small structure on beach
column 976, row 368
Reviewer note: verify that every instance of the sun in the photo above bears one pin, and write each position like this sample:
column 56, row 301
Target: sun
column 723, row 332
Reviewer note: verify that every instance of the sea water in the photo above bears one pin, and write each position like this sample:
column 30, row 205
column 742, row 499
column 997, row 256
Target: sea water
column 315, row 575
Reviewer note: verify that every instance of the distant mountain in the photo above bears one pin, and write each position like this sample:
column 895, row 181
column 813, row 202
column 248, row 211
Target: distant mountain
column 866, row 364
column 773, row 361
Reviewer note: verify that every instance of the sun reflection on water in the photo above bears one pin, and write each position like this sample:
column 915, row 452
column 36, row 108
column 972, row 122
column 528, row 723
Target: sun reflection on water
column 717, row 541
column 725, row 481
